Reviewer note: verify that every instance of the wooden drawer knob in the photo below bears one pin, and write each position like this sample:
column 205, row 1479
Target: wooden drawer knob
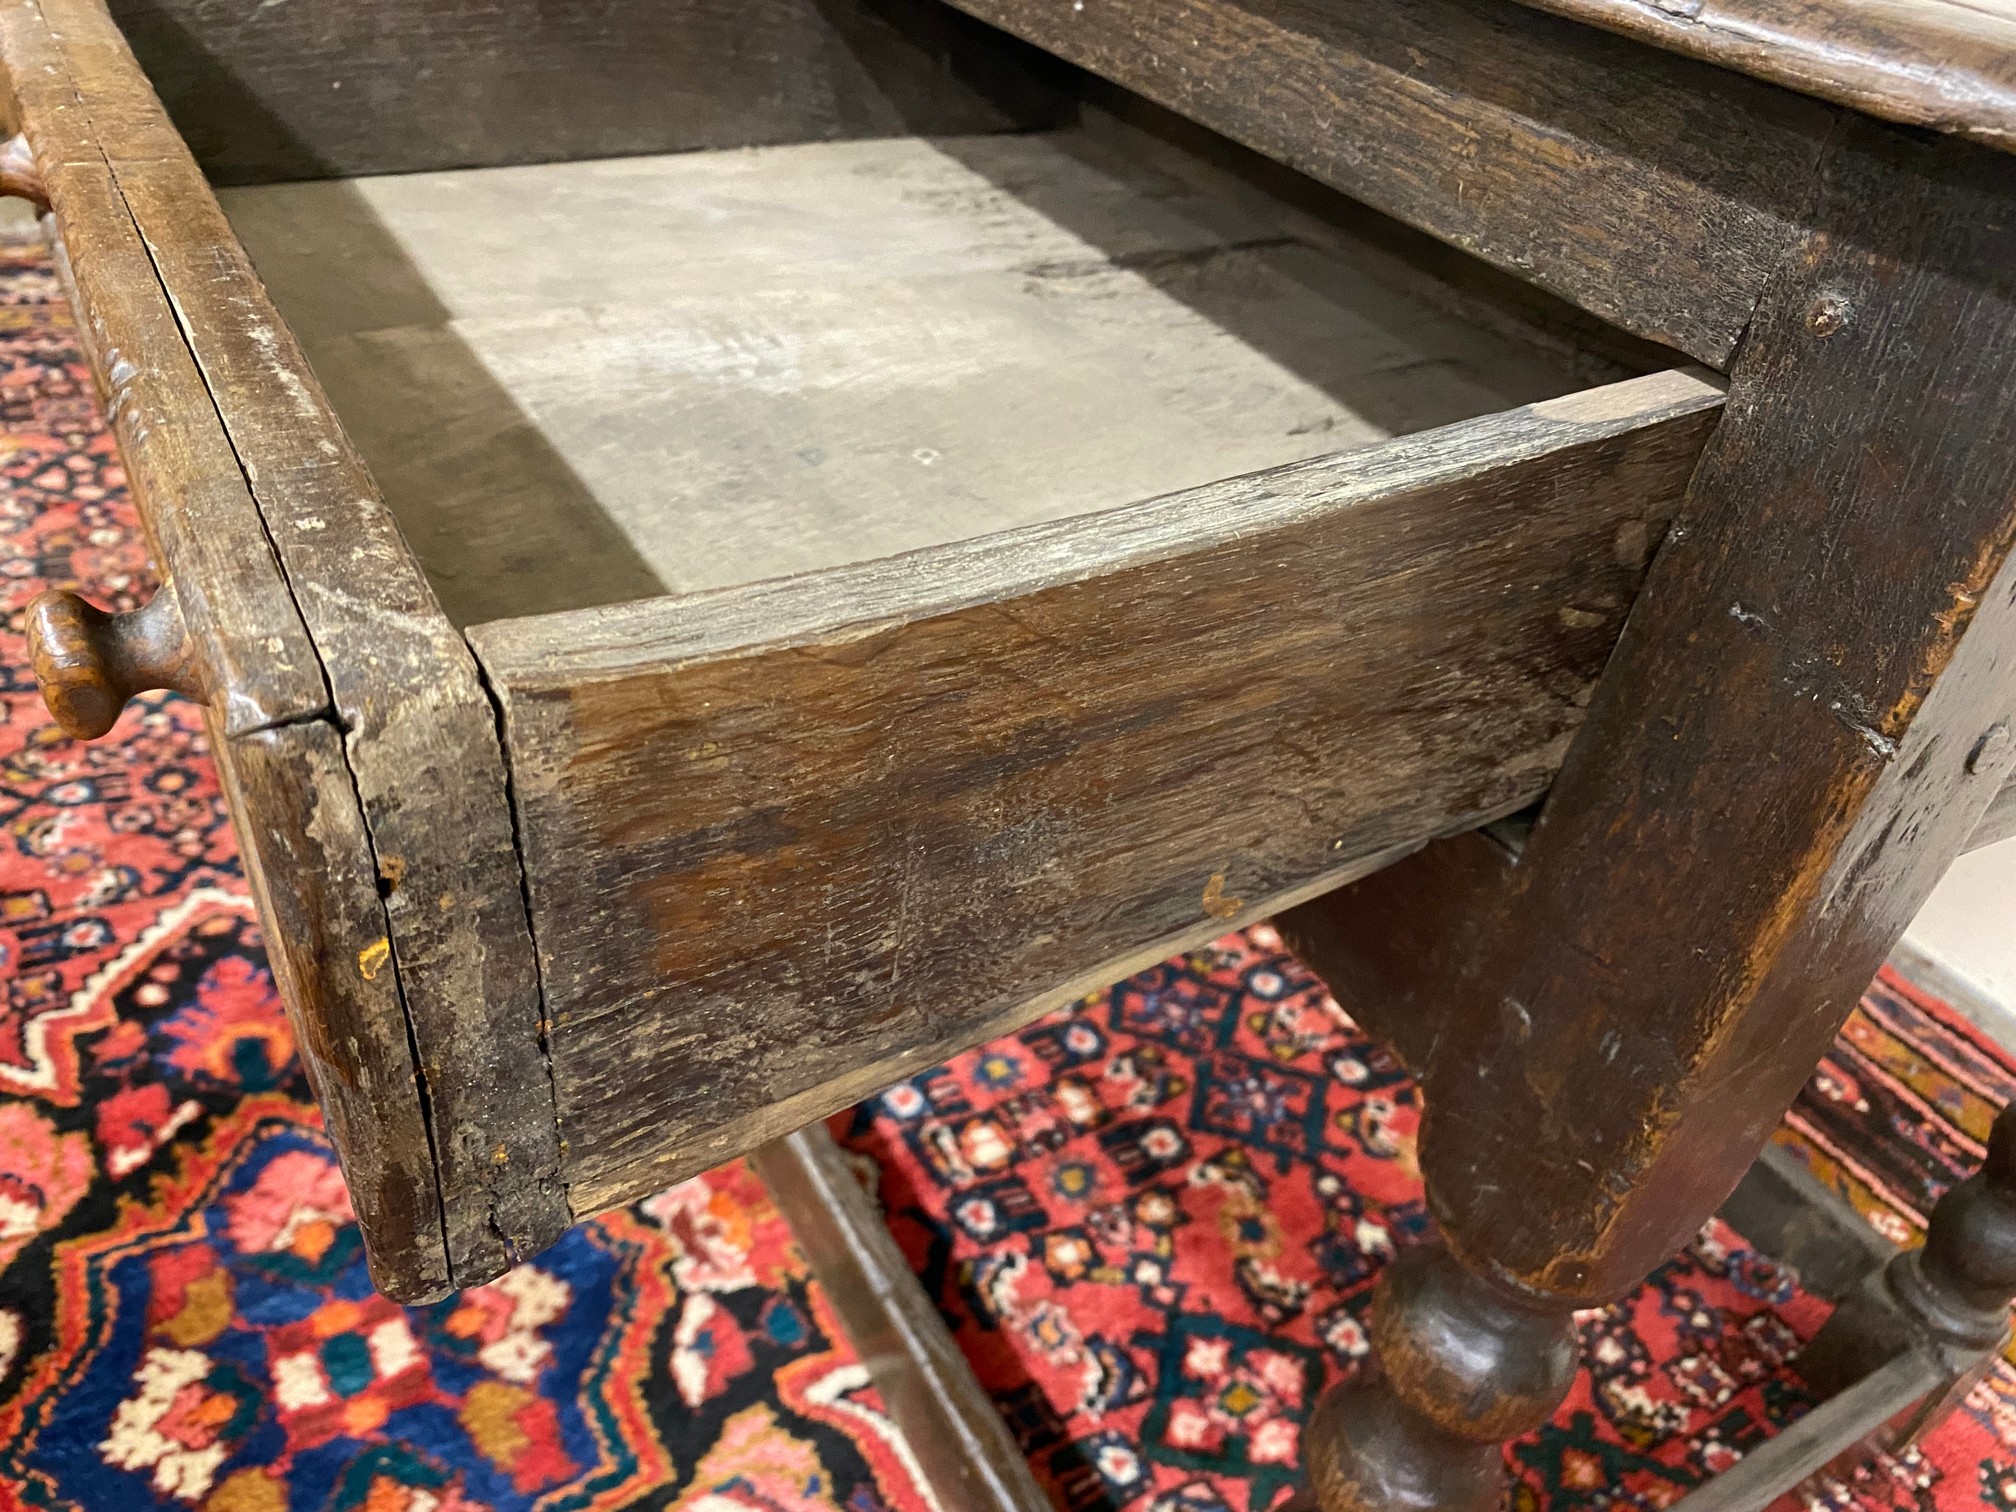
column 90, row 662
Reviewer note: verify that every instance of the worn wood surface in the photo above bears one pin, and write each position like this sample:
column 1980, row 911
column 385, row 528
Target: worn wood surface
column 279, row 762
column 1391, row 255
column 1946, row 64
column 1783, row 1209
column 964, row 1450
column 1654, row 191
column 1830, row 602
column 1801, row 727
column 831, row 352
column 787, row 842
column 269, row 92
column 419, row 734
column 1999, row 823
column 246, row 457
column 1395, row 946
column 312, row 872
column 204, row 528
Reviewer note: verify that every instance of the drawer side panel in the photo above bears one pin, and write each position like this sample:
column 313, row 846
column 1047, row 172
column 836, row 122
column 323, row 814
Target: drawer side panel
column 790, row 842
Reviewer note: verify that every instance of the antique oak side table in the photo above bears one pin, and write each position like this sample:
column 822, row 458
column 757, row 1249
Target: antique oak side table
column 717, row 631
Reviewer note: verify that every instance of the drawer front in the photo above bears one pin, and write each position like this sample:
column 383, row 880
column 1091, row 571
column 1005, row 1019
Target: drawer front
column 789, row 842
column 356, row 744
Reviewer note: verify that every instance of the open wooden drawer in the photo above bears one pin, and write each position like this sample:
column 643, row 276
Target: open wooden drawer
column 881, row 590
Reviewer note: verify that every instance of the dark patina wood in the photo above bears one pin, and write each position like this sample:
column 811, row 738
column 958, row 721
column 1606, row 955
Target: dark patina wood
column 1796, row 736
column 251, row 656
column 251, row 648
column 1783, row 1209
column 269, row 92
column 419, row 735
column 963, row 1449
column 775, row 834
column 304, row 615
column 1653, row 191
column 1946, row 64
column 1949, row 1298
column 1907, row 1344
column 312, row 871
column 1395, row 945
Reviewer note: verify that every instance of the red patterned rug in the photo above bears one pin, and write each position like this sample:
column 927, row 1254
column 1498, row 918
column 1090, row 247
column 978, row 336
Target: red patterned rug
column 1153, row 1223
column 185, row 1320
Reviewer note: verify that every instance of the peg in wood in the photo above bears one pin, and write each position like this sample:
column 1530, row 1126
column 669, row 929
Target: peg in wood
column 90, row 663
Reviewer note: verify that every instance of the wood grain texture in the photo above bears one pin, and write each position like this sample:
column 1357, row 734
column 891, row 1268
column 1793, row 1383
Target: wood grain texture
column 1795, row 738
column 312, row 872
column 89, row 663
column 1395, row 947
column 279, row 762
column 1803, row 724
column 1398, row 257
column 581, row 383
column 1946, row 64
column 787, row 842
column 1653, row 191
column 419, row 734
column 233, row 453
column 267, row 92
column 965, row 1451
column 205, row 530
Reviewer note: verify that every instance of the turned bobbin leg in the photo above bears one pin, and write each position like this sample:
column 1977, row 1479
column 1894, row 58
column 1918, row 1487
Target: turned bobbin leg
column 1466, row 1363
column 1950, row 1298
column 1799, row 729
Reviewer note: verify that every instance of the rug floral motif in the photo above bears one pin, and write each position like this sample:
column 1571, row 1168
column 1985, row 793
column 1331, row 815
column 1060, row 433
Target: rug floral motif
column 1154, row 1221
column 185, row 1318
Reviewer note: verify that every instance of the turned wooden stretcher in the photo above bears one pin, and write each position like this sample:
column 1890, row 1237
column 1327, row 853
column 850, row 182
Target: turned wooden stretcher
column 694, row 634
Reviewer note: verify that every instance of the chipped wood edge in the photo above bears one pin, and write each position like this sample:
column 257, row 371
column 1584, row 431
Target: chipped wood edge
column 420, row 732
column 310, row 867
column 118, row 177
